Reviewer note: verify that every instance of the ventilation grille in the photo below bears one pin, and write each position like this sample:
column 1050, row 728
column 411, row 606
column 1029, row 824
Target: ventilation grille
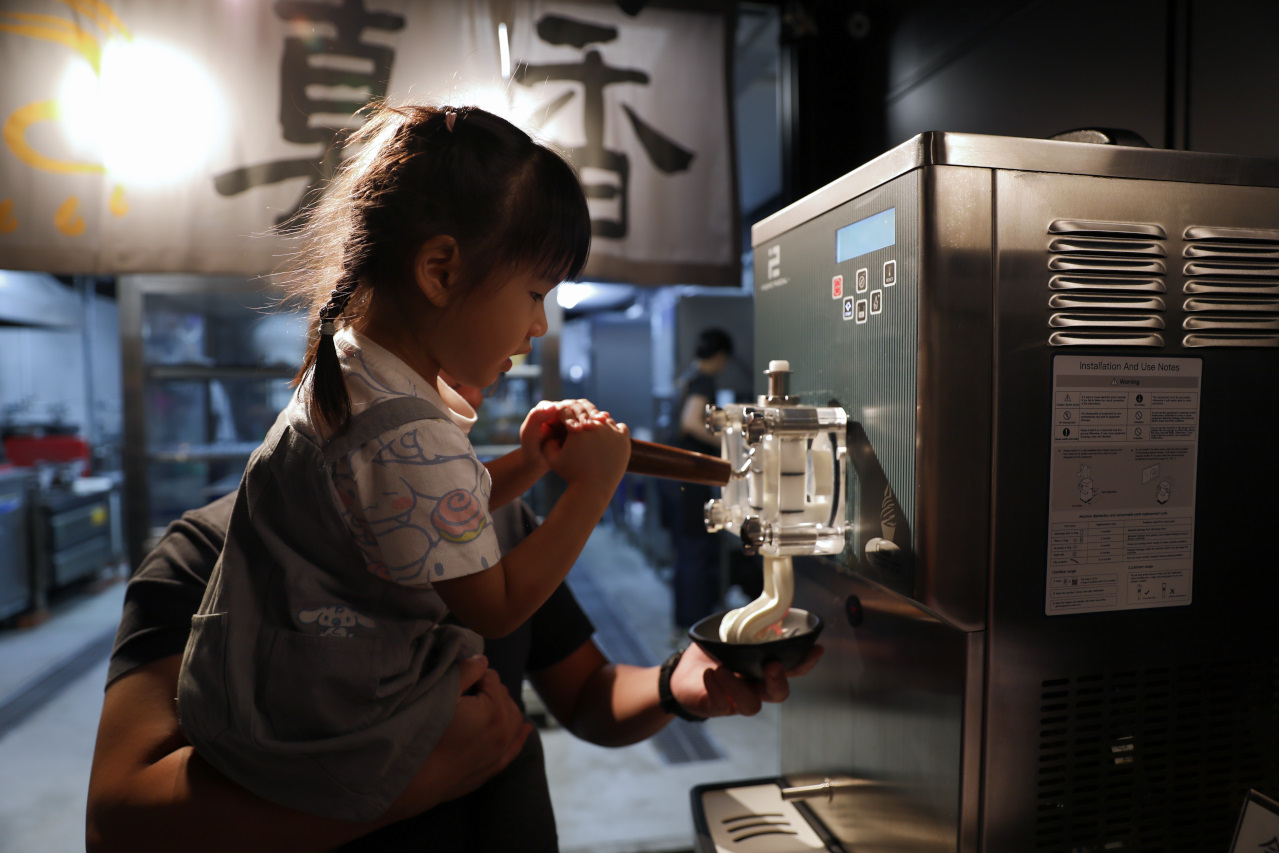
column 1155, row 761
column 1107, row 283
column 1232, row 287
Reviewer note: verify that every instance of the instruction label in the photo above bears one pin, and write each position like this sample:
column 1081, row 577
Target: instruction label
column 1121, row 519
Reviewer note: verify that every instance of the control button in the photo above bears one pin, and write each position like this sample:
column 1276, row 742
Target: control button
column 890, row 273
column 854, row 611
column 848, row 307
column 876, row 301
column 861, row 310
column 837, row 287
column 863, row 280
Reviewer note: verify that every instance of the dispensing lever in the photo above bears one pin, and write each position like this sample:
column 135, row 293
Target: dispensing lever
column 661, row 460
column 674, row 463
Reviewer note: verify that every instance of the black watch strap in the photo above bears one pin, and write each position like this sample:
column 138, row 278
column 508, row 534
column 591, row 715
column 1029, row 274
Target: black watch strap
column 666, row 699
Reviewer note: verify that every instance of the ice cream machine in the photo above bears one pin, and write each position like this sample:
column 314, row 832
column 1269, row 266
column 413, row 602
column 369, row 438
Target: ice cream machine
column 1028, row 488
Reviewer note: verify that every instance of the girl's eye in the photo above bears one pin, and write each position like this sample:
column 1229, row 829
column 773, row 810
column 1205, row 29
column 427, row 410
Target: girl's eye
column 537, row 297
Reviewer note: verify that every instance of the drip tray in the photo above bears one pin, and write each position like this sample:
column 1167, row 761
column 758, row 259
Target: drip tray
column 751, row 815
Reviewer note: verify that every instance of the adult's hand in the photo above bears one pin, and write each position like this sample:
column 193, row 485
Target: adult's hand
column 614, row 704
column 486, row 733
column 706, row 687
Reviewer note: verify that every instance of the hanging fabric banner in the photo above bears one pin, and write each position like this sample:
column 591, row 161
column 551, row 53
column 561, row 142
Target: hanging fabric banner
column 641, row 104
column 141, row 136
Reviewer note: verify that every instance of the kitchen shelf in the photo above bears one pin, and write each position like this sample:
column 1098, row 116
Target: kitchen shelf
column 525, row 371
column 206, row 372
column 208, row 364
column 204, row 452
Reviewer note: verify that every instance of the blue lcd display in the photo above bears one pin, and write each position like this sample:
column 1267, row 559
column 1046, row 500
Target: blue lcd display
column 866, row 235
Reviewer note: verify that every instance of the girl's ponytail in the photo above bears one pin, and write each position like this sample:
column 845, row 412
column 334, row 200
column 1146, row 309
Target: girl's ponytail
column 328, row 389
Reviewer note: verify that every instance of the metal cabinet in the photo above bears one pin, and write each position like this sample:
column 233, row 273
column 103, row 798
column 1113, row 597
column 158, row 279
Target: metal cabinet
column 207, row 366
column 15, row 574
column 74, row 534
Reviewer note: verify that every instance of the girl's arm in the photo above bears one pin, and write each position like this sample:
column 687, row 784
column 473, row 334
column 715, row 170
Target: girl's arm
column 149, row 790
column 591, row 458
column 499, row 599
column 513, row 475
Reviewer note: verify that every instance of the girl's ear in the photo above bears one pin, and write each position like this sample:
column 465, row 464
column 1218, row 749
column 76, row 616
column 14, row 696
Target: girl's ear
column 436, row 269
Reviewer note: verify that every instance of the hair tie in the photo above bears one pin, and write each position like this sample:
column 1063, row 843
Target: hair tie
column 450, row 118
column 326, row 329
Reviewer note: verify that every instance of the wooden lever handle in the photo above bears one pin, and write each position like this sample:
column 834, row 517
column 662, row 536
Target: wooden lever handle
column 674, row 463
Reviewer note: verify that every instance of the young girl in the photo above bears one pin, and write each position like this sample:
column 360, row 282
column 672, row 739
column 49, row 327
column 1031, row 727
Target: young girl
column 317, row 673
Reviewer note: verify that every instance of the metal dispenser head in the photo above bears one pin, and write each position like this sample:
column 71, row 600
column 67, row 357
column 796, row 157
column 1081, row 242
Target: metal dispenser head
column 786, row 496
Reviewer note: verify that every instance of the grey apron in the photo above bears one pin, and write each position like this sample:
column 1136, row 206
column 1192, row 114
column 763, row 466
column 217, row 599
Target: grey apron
column 307, row 679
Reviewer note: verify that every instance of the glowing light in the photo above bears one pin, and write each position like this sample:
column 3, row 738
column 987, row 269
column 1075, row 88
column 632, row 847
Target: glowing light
column 504, row 50
column 81, row 113
column 571, row 293
column 152, row 116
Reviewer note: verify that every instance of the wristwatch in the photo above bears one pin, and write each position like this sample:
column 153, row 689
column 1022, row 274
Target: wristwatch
column 666, row 699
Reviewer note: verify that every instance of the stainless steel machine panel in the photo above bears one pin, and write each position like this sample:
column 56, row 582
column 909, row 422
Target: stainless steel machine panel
column 890, row 700
column 1143, row 727
column 971, row 710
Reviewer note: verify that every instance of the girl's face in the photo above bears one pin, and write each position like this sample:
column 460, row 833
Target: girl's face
column 480, row 332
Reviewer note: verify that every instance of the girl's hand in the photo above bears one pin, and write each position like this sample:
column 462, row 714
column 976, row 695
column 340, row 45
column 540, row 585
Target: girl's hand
column 551, row 422
column 594, row 450
column 702, row 685
column 534, row 432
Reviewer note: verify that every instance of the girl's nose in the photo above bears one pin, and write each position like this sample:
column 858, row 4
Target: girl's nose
column 539, row 321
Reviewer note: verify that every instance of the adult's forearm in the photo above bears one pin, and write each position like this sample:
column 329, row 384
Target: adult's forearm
column 618, row 706
column 180, row 803
column 148, row 790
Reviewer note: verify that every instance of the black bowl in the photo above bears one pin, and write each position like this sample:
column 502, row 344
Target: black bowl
column 749, row 659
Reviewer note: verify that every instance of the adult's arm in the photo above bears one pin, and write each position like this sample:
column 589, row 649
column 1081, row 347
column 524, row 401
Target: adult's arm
column 150, row 790
column 692, row 417
column 614, row 704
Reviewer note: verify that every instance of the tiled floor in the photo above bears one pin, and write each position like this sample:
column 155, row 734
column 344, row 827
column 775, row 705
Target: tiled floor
column 606, row 800
column 46, row 757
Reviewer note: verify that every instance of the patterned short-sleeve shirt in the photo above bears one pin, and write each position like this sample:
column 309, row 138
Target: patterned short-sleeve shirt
column 416, row 498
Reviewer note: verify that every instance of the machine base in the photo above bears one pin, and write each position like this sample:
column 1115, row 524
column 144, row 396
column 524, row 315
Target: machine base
column 750, row 815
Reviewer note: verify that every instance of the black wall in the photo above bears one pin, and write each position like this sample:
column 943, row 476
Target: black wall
column 1201, row 75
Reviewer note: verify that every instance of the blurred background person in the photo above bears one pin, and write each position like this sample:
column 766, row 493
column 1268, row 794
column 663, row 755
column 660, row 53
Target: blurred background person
column 697, row 585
